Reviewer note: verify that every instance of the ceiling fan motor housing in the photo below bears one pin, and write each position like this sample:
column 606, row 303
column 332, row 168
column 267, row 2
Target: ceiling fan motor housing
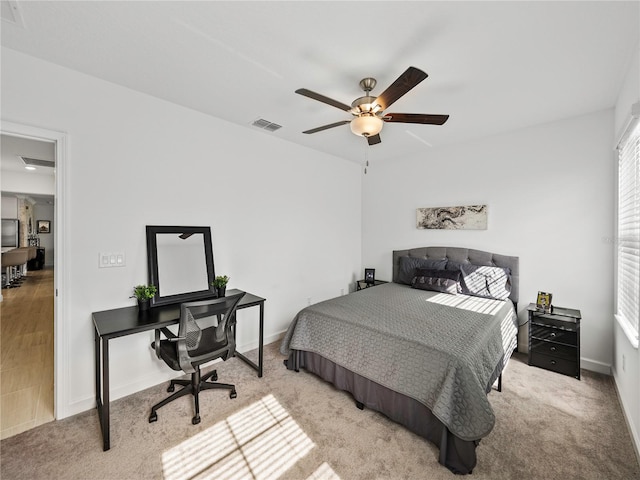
column 364, row 105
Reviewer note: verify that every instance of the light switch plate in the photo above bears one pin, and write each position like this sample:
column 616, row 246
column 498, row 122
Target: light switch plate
column 111, row 259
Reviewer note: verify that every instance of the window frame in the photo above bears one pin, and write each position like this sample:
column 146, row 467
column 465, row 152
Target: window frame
column 627, row 250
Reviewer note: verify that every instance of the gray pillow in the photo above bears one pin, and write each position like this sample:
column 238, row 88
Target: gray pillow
column 487, row 282
column 453, row 265
column 409, row 265
column 445, row 281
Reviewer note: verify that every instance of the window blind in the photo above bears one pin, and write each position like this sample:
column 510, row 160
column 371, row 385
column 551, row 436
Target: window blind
column 628, row 241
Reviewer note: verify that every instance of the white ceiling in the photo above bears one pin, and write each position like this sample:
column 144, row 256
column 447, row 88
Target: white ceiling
column 493, row 66
column 11, row 148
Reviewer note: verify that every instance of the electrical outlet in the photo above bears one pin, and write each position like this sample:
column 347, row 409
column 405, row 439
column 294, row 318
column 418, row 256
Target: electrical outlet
column 624, row 363
column 308, row 300
column 342, row 291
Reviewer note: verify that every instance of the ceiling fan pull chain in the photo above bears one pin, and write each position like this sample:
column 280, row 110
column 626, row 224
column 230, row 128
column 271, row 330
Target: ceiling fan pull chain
column 366, row 157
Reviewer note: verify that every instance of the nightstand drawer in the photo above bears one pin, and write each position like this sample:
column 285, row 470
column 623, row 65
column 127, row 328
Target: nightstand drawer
column 553, row 334
column 554, row 349
column 556, row 364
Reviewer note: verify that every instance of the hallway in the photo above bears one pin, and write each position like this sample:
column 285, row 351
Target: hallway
column 26, row 354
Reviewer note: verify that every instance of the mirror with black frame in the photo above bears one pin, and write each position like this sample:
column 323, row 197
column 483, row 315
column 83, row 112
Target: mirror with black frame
column 180, row 263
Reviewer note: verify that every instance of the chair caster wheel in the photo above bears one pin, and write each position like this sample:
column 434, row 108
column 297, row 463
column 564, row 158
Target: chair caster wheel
column 214, row 377
column 171, row 388
column 195, row 420
column 153, row 417
column 233, row 394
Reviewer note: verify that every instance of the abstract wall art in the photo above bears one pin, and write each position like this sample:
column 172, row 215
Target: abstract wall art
column 470, row 217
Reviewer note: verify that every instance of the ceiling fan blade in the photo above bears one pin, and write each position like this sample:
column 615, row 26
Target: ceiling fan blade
column 326, row 127
column 374, row 139
column 416, row 118
column 405, row 82
column 323, row 99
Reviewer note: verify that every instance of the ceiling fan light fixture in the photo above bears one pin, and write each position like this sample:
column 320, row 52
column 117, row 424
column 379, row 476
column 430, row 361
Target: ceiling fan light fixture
column 368, row 111
column 366, row 125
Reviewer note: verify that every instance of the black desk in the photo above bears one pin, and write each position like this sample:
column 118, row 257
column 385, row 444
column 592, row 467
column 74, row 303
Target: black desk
column 127, row 321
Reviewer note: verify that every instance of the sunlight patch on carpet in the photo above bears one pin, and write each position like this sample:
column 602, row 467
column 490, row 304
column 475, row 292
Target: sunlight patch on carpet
column 324, row 472
column 260, row 441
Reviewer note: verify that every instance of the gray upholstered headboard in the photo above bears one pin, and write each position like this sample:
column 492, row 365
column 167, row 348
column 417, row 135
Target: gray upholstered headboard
column 465, row 255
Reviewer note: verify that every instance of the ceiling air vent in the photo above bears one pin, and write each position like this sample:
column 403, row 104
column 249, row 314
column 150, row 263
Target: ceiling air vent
column 35, row 162
column 266, row 125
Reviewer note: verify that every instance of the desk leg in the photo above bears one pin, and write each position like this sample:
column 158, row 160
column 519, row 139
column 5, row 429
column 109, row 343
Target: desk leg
column 106, row 437
column 261, row 340
column 258, row 367
column 97, row 368
column 102, row 388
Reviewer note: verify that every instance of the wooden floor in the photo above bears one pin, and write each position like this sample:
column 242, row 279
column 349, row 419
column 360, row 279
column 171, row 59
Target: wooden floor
column 26, row 354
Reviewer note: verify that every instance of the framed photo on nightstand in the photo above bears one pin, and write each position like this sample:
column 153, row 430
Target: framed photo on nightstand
column 543, row 303
column 369, row 275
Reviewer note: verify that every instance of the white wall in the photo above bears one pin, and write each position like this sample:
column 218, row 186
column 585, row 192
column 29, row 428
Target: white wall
column 285, row 219
column 626, row 360
column 9, row 206
column 549, row 191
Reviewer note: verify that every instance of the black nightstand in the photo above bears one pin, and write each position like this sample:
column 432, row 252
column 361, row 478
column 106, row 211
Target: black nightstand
column 554, row 340
column 361, row 284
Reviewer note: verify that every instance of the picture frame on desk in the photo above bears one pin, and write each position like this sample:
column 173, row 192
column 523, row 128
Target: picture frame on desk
column 543, row 302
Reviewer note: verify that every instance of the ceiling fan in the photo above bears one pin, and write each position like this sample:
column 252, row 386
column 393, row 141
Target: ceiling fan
column 368, row 111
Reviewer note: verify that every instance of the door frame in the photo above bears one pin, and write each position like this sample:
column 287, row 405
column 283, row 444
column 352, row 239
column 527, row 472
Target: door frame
column 60, row 256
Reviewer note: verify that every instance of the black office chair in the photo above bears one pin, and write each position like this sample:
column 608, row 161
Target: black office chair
column 205, row 333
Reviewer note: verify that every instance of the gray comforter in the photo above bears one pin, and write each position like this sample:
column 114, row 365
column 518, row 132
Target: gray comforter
column 438, row 349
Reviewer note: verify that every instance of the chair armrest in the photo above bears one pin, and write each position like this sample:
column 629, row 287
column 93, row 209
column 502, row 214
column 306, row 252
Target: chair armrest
column 171, row 337
column 156, row 343
column 167, row 333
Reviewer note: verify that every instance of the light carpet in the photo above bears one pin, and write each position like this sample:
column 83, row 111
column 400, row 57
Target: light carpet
column 295, row 426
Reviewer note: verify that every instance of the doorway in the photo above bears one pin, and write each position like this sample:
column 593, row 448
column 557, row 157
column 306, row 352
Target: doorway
column 33, row 379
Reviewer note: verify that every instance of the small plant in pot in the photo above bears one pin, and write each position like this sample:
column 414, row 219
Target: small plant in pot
column 220, row 284
column 144, row 294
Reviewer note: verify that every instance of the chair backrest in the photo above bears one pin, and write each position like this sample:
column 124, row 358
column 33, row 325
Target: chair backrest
column 206, row 330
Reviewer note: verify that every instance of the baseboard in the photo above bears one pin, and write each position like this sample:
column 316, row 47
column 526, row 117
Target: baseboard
column 635, row 437
column 139, row 384
column 276, row 337
column 149, row 381
column 595, row 366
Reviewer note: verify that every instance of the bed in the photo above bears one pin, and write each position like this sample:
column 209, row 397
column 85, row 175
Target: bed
column 424, row 349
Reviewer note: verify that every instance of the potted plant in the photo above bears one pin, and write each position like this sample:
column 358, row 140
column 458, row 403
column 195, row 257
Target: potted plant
column 220, row 284
column 144, row 294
